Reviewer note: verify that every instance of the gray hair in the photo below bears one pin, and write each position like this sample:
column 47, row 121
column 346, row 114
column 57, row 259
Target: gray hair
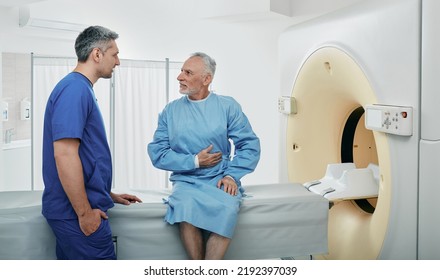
column 93, row 37
column 208, row 61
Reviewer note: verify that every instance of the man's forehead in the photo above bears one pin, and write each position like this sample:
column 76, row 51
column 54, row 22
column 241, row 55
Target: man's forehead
column 113, row 46
column 193, row 63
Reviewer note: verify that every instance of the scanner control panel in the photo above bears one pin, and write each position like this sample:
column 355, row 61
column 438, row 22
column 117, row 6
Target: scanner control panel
column 389, row 119
column 286, row 105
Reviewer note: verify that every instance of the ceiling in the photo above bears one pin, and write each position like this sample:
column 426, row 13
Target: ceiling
column 17, row 3
column 231, row 8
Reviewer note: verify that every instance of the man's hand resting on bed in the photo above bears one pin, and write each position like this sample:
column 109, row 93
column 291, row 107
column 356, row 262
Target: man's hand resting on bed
column 229, row 185
column 126, row 199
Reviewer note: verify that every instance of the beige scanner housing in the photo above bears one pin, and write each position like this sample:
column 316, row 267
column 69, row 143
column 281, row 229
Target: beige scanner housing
column 331, row 90
column 364, row 80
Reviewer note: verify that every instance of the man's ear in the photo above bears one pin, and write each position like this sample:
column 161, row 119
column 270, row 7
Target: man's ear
column 96, row 54
column 207, row 80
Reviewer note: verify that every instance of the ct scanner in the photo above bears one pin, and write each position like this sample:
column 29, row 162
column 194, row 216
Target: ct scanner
column 378, row 54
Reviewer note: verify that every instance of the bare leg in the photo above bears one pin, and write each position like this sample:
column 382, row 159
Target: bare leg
column 216, row 247
column 192, row 241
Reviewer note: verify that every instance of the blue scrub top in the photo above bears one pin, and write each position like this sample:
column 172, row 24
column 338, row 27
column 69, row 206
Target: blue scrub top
column 72, row 112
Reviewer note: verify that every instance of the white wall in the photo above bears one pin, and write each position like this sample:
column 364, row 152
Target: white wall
column 245, row 50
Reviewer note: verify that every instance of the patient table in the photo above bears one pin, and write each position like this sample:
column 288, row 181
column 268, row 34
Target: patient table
column 275, row 221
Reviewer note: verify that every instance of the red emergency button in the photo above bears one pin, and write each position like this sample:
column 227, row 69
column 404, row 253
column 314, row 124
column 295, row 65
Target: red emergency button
column 404, row 115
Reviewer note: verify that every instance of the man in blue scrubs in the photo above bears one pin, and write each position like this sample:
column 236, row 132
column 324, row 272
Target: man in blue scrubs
column 77, row 165
column 193, row 141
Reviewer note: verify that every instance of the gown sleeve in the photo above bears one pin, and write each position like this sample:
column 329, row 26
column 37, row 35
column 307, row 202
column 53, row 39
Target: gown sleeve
column 246, row 142
column 161, row 154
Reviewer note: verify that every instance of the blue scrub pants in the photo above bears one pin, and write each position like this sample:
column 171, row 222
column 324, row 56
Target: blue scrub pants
column 72, row 244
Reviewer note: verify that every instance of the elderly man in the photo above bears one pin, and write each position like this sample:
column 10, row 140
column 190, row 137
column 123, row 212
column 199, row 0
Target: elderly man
column 193, row 141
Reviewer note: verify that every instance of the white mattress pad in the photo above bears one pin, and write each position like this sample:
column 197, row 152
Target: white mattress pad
column 275, row 220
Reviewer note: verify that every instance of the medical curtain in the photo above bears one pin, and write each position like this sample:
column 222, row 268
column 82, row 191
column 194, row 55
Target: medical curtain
column 129, row 102
column 140, row 95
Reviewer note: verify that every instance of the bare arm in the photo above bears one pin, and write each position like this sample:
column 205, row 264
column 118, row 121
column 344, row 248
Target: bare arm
column 70, row 173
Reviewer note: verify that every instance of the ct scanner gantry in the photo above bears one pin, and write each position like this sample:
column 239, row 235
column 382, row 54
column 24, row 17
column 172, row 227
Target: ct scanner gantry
column 360, row 91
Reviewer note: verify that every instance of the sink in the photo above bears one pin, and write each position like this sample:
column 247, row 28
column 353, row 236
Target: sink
column 17, row 144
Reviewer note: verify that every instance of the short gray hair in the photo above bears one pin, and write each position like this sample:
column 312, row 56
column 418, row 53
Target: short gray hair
column 93, row 37
column 209, row 62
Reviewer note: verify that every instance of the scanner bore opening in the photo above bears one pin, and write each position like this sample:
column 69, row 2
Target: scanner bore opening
column 347, row 145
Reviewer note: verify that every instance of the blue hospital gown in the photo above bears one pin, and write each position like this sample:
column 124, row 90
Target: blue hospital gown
column 185, row 127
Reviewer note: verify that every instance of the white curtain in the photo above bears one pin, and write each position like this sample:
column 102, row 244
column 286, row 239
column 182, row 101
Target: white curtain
column 140, row 93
